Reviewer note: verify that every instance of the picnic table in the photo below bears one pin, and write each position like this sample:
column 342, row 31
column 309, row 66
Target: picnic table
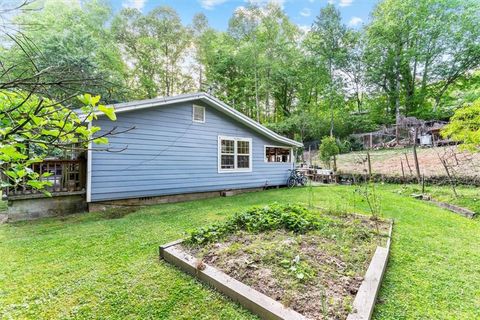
column 319, row 175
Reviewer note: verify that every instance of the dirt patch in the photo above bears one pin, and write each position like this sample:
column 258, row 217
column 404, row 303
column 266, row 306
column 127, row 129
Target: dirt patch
column 119, row 212
column 317, row 273
column 389, row 161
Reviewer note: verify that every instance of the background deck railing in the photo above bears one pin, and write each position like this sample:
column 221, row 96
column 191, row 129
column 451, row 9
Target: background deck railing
column 66, row 176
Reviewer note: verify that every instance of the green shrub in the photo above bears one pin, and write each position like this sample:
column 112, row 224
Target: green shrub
column 328, row 149
column 257, row 219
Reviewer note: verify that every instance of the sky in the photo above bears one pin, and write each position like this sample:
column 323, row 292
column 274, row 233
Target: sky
column 218, row 12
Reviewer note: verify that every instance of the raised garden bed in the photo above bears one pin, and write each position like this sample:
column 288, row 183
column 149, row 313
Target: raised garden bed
column 286, row 262
column 451, row 207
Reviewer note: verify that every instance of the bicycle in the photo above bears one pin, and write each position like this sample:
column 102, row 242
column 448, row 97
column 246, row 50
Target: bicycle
column 296, row 178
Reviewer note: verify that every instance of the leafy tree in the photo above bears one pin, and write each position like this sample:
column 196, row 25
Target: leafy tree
column 416, row 49
column 67, row 38
column 327, row 41
column 201, row 33
column 155, row 45
column 464, row 127
column 328, row 150
column 255, row 65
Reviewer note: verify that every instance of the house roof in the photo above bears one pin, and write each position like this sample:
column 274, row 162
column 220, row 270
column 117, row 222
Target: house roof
column 211, row 101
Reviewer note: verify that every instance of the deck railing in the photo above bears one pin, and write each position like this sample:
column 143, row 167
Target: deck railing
column 66, row 176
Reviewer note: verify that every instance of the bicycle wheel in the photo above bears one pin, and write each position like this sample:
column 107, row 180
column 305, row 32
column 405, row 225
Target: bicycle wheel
column 303, row 181
column 291, row 182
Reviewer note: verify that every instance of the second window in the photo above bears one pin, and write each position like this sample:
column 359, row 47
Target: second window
column 235, row 154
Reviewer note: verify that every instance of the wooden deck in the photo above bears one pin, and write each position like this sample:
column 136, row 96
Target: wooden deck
column 67, row 176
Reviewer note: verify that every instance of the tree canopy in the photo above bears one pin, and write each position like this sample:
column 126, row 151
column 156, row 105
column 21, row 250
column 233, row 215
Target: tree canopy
column 413, row 58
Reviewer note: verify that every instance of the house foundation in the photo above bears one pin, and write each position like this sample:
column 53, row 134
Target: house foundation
column 34, row 206
column 145, row 201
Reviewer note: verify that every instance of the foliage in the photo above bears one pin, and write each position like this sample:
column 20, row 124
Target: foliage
column 327, row 42
column 299, row 268
column 414, row 58
column 328, row 149
column 31, row 127
column 289, row 217
column 71, row 41
column 155, row 45
column 464, row 126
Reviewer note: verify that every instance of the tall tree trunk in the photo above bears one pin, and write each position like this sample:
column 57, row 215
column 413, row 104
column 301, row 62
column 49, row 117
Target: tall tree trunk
column 397, row 94
column 331, row 96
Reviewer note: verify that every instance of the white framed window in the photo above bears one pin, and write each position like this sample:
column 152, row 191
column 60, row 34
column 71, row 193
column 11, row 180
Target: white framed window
column 234, row 154
column 278, row 154
column 198, row 114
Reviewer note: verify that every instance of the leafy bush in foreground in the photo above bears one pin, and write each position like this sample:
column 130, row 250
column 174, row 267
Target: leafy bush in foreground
column 294, row 218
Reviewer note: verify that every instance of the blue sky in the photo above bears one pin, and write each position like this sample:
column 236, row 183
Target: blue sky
column 301, row 12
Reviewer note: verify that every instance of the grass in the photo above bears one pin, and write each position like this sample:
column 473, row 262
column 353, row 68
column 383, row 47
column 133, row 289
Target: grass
column 88, row 266
column 468, row 197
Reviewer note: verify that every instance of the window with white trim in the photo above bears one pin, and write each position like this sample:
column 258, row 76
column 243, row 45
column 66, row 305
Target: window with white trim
column 277, row 154
column 234, row 154
column 198, row 114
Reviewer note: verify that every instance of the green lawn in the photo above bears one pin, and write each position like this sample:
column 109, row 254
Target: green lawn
column 88, row 266
column 468, row 197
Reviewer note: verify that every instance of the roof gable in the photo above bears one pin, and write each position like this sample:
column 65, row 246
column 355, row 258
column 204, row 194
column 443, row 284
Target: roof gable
column 211, row 101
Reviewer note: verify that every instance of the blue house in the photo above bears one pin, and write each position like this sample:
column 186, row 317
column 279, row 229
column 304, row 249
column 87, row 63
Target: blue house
column 186, row 144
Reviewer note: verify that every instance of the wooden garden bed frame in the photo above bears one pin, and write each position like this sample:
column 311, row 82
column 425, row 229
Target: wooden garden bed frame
column 266, row 307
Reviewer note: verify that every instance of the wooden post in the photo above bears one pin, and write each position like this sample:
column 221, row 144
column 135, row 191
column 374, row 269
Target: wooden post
column 403, row 171
column 415, row 157
column 408, row 163
column 310, row 155
column 423, row 184
column 369, row 165
column 452, row 183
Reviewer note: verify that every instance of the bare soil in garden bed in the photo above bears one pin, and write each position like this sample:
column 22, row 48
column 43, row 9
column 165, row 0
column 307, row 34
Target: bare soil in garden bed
column 317, row 273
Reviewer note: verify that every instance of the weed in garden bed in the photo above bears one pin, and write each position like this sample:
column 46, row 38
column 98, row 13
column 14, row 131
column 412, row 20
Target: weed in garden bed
column 290, row 217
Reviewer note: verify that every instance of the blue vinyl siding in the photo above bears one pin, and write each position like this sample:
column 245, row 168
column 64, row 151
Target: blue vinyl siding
column 167, row 153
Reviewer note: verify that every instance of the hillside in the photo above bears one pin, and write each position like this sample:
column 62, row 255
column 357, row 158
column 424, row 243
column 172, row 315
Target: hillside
column 389, row 161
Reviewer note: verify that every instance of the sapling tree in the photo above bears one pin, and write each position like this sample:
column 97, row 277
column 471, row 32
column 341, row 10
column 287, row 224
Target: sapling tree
column 32, row 126
column 328, row 150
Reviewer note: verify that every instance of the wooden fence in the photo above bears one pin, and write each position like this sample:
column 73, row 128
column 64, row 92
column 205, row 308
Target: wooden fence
column 66, row 176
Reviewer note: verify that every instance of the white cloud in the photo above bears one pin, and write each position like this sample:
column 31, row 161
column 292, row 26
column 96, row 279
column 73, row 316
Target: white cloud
column 355, row 21
column 304, row 28
column 136, row 4
column 263, row 2
column 305, row 12
column 345, row 3
column 210, row 4
column 331, row 1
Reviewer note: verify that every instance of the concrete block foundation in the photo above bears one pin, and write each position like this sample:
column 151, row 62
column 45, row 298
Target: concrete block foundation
column 145, row 201
column 28, row 207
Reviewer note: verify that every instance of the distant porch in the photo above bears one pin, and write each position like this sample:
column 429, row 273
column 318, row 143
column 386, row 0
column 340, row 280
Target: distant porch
column 68, row 188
